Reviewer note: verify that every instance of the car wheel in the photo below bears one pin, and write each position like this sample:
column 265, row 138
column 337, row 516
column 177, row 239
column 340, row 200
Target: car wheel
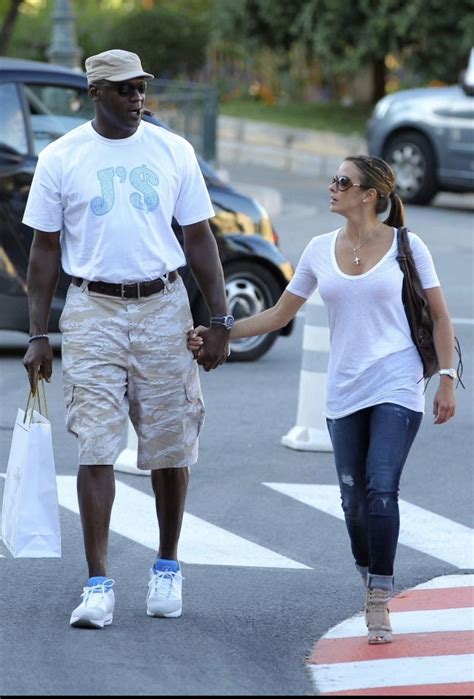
column 250, row 288
column 412, row 159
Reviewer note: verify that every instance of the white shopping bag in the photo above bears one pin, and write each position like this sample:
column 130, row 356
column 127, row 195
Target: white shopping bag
column 30, row 513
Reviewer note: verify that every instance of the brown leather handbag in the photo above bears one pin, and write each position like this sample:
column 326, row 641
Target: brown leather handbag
column 416, row 306
column 417, row 310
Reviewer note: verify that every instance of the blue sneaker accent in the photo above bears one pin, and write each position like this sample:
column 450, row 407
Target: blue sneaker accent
column 100, row 580
column 163, row 564
column 97, row 607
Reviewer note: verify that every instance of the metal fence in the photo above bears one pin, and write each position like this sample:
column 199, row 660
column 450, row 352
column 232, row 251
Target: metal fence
column 190, row 109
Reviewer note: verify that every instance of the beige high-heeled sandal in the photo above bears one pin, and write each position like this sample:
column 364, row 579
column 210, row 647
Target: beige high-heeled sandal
column 377, row 616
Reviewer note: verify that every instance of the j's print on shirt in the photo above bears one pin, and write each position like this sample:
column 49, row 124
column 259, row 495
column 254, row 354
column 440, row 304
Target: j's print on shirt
column 141, row 178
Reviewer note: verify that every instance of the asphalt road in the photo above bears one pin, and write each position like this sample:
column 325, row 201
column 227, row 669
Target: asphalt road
column 266, row 575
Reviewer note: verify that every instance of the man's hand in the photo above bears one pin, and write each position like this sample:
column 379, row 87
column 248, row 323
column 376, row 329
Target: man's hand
column 210, row 346
column 38, row 362
column 201, row 252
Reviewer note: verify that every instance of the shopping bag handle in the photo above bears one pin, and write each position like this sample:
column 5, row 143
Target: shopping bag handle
column 37, row 397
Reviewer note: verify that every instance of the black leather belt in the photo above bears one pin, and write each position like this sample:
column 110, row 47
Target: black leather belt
column 127, row 291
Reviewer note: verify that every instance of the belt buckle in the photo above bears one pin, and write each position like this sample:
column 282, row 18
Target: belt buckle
column 123, row 290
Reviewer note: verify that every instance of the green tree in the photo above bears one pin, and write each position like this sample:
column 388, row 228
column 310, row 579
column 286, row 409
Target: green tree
column 431, row 37
column 442, row 39
column 26, row 28
column 175, row 40
column 9, row 18
column 169, row 44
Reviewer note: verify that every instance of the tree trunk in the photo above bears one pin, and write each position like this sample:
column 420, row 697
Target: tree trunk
column 378, row 74
column 6, row 31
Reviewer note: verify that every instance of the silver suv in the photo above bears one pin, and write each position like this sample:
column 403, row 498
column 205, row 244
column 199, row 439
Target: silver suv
column 427, row 136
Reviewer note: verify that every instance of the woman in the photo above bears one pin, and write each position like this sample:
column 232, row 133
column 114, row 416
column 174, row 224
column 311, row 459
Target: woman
column 375, row 391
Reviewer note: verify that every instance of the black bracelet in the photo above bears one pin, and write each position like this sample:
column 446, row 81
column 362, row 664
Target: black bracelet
column 38, row 337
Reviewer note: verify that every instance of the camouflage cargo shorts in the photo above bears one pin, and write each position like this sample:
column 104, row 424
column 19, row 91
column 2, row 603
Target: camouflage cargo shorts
column 129, row 357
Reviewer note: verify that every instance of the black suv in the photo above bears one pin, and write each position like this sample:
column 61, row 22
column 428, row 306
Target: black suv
column 40, row 102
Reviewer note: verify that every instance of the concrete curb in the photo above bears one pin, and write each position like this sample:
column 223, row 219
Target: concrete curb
column 305, row 151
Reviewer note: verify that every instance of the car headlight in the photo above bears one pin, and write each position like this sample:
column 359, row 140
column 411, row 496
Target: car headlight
column 382, row 107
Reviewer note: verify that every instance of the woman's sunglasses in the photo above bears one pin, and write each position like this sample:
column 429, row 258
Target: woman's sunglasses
column 125, row 89
column 344, row 183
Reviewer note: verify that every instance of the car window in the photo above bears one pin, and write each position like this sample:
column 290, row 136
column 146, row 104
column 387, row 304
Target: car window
column 55, row 110
column 12, row 126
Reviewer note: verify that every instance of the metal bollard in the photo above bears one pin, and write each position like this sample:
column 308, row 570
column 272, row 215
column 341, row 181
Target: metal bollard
column 127, row 459
column 310, row 432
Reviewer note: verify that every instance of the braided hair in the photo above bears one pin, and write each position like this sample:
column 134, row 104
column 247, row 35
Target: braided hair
column 378, row 175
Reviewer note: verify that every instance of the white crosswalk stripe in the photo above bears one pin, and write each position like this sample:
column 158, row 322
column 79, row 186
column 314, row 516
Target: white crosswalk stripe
column 444, row 620
column 133, row 516
column 420, row 529
column 381, row 673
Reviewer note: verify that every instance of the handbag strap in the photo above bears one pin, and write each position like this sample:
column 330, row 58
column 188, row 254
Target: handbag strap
column 404, row 254
column 401, row 254
column 460, row 367
column 404, row 258
column 407, row 265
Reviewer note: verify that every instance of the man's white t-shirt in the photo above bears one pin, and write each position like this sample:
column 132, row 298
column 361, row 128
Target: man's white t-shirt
column 372, row 359
column 114, row 199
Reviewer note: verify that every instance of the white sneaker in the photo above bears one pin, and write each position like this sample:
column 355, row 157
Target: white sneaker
column 164, row 596
column 97, row 606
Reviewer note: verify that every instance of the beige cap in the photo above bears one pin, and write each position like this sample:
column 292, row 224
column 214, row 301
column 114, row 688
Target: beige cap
column 115, row 65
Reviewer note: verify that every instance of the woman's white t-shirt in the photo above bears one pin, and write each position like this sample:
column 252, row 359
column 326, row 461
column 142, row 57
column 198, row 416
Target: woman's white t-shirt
column 372, row 357
column 114, row 200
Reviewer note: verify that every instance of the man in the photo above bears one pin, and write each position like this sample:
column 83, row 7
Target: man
column 101, row 202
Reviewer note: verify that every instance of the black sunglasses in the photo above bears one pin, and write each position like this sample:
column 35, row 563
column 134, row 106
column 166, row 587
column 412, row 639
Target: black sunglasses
column 125, row 89
column 343, row 183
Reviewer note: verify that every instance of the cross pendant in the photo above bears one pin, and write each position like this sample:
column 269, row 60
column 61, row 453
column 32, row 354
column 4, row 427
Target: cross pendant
column 357, row 260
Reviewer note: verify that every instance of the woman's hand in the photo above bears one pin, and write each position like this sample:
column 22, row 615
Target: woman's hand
column 195, row 341
column 444, row 404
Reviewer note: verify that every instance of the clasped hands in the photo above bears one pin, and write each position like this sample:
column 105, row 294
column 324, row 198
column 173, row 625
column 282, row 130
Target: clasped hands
column 210, row 346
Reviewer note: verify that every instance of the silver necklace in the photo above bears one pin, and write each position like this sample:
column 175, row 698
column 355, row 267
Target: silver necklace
column 356, row 259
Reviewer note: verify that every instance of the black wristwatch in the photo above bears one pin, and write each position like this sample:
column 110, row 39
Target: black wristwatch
column 226, row 321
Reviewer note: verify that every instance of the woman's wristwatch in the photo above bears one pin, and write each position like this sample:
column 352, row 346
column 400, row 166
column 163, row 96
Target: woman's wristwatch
column 452, row 373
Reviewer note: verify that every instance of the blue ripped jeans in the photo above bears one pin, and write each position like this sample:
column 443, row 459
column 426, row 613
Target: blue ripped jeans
column 370, row 450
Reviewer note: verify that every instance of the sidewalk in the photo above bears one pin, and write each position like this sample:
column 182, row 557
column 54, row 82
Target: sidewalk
column 432, row 652
column 304, row 151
